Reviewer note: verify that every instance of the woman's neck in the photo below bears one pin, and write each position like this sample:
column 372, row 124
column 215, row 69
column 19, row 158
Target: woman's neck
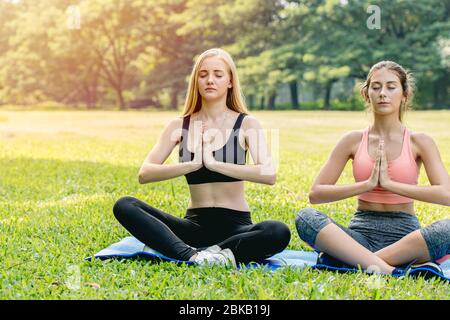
column 386, row 126
column 213, row 110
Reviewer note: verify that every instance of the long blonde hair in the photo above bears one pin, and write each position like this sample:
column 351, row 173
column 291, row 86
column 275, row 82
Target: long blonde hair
column 235, row 98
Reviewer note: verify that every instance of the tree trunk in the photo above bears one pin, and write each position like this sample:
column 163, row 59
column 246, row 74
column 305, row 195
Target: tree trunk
column 271, row 104
column 86, row 97
column 120, row 99
column 262, row 103
column 251, row 101
column 326, row 100
column 294, row 94
column 93, row 96
column 90, row 95
column 93, row 99
column 174, row 98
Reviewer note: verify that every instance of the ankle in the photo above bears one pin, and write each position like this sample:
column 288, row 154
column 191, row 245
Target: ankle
column 377, row 269
column 390, row 270
column 192, row 258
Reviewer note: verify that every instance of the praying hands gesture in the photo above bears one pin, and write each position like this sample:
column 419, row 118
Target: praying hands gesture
column 380, row 173
column 207, row 139
column 198, row 146
column 203, row 147
column 384, row 178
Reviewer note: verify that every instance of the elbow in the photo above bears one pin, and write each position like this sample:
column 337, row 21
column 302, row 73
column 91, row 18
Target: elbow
column 268, row 174
column 444, row 198
column 313, row 199
column 141, row 177
column 146, row 174
column 447, row 199
column 272, row 179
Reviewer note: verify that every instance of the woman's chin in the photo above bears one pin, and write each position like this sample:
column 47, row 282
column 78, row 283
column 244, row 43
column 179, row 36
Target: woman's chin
column 385, row 109
column 211, row 96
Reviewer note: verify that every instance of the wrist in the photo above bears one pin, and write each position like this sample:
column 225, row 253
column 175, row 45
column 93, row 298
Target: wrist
column 212, row 164
column 387, row 184
column 192, row 166
column 368, row 185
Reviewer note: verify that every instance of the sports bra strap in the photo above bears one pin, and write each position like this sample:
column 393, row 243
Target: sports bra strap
column 239, row 120
column 186, row 120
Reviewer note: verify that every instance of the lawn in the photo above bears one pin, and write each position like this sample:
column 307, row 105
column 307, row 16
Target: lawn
column 61, row 173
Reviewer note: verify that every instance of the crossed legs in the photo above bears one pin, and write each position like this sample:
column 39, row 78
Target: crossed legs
column 354, row 248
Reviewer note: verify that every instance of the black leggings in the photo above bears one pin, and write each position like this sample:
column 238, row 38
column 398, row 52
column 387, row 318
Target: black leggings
column 201, row 228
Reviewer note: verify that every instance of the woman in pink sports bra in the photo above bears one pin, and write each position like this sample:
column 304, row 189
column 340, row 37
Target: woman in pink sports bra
column 384, row 233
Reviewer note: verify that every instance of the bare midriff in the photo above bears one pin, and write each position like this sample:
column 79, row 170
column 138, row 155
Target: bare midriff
column 371, row 206
column 218, row 194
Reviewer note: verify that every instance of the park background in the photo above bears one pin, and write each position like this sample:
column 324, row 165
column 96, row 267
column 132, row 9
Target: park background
column 87, row 86
column 290, row 54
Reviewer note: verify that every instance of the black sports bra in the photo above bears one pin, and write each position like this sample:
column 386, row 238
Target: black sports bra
column 231, row 152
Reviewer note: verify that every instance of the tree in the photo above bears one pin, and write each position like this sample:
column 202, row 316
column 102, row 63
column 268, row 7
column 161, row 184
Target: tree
column 112, row 29
column 132, row 48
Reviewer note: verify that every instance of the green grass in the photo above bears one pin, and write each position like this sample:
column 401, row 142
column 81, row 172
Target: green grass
column 61, row 173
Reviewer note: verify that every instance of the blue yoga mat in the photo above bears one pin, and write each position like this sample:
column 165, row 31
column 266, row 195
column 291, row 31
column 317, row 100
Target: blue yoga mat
column 131, row 247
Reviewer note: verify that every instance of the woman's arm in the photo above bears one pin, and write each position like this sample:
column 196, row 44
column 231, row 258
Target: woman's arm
column 263, row 169
column 324, row 188
column 153, row 169
column 439, row 191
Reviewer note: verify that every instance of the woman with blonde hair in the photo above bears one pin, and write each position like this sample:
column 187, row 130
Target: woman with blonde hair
column 384, row 232
column 213, row 137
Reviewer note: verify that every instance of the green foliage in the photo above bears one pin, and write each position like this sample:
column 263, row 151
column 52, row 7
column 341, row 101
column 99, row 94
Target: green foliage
column 134, row 49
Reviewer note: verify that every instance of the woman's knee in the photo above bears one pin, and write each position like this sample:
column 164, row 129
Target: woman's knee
column 122, row 206
column 309, row 222
column 437, row 238
column 277, row 233
column 282, row 234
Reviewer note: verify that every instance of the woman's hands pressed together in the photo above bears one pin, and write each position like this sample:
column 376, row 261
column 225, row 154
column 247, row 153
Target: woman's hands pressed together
column 197, row 162
column 384, row 179
column 374, row 178
column 380, row 172
column 207, row 139
column 203, row 147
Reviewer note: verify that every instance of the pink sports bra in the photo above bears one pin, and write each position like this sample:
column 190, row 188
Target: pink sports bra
column 402, row 169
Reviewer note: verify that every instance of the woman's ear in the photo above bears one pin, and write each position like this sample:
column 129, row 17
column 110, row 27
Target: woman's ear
column 365, row 96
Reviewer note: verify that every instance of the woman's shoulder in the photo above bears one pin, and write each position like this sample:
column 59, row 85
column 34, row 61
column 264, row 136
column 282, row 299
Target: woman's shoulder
column 177, row 120
column 250, row 122
column 175, row 123
column 352, row 137
column 349, row 142
column 421, row 140
column 419, row 137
